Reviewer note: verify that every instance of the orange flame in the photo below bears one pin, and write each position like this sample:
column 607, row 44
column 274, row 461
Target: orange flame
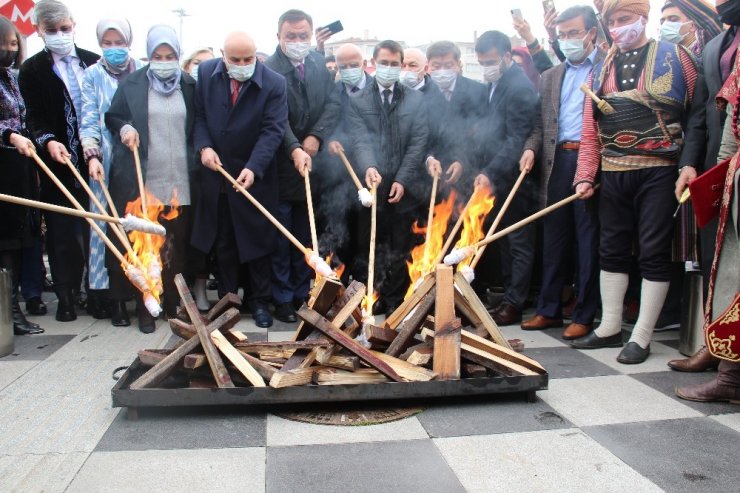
column 147, row 246
column 424, row 256
column 367, row 305
column 338, row 270
column 480, row 205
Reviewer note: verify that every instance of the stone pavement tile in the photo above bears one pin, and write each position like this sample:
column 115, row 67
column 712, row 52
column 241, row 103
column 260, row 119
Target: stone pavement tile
column 39, row 472
column 552, row 460
column 52, row 327
column 660, row 355
column 185, row 428
column 566, row 362
column 488, row 416
column 667, row 381
column 103, row 341
column 729, row 420
column 533, row 338
column 611, row 399
column 37, row 347
column 173, row 470
column 57, row 407
column 666, row 336
column 246, row 324
column 10, row 371
column 677, row 455
column 274, row 336
column 284, row 432
column 414, row 465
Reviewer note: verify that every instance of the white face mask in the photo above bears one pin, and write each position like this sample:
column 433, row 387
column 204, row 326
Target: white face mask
column 164, row 70
column 387, row 75
column 671, row 31
column 573, row 49
column 351, row 76
column 409, row 78
column 194, row 72
column 444, row 78
column 297, row 51
column 241, row 73
column 60, row 43
column 625, row 36
column 492, row 73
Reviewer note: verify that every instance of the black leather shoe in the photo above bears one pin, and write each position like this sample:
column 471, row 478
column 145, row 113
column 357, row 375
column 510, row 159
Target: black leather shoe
column 35, row 306
column 146, row 321
column 21, row 326
column 119, row 314
column 98, row 307
column 592, row 341
column 633, row 354
column 284, row 312
column 66, row 307
column 262, row 317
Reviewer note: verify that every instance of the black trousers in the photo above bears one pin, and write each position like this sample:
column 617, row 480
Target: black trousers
column 575, row 225
column 638, row 204
column 258, row 271
column 67, row 244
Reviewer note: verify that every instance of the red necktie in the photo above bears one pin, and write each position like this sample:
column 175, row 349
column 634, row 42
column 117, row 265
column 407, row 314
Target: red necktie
column 235, row 88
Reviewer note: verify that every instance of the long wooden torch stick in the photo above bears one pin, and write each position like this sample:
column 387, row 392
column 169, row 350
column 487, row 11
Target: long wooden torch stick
column 371, row 254
column 140, row 178
column 430, row 214
column 311, row 216
column 453, row 232
column 350, row 170
column 499, row 217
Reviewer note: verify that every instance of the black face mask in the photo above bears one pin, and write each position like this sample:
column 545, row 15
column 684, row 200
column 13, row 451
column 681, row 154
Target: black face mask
column 729, row 12
column 7, row 58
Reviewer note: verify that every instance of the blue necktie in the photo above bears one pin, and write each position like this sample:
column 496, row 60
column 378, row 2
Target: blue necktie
column 74, row 86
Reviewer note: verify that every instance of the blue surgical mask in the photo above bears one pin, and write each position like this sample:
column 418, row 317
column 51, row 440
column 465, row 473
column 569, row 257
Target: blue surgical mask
column 241, row 73
column 194, row 72
column 573, row 49
column 116, row 56
column 387, row 75
column 164, row 70
column 60, row 43
column 671, row 31
column 351, row 76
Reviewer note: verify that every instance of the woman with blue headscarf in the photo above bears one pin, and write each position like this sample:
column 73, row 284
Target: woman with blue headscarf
column 99, row 84
column 153, row 110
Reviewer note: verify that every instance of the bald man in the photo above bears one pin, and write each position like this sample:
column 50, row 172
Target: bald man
column 415, row 70
column 241, row 114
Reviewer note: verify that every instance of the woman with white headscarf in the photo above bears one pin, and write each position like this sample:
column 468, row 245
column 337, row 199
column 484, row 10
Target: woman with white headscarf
column 153, row 110
column 99, row 84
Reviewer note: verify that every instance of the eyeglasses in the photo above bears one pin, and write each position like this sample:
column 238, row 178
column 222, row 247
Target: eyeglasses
column 571, row 34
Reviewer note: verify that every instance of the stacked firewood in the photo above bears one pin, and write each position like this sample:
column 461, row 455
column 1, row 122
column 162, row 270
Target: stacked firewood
column 423, row 340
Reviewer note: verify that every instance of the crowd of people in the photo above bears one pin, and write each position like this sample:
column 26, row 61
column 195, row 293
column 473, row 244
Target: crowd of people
column 659, row 113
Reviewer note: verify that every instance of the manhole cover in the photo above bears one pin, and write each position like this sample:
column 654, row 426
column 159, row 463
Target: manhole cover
column 351, row 417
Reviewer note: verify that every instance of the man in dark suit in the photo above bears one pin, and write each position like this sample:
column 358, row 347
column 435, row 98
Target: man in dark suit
column 241, row 114
column 555, row 140
column 453, row 103
column 313, row 112
column 702, row 138
column 388, row 128
column 512, row 106
column 50, row 83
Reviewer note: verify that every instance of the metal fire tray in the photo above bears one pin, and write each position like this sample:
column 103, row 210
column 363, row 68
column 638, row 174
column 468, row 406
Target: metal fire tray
column 170, row 394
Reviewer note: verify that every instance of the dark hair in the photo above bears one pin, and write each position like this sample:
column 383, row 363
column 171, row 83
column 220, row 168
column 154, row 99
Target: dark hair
column 390, row 45
column 7, row 27
column 293, row 16
column 443, row 48
column 669, row 5
column 493, row 39
column 330, row 58
column 584, row 11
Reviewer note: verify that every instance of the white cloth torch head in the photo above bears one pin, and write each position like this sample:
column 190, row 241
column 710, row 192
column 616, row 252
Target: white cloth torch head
column 366, row 198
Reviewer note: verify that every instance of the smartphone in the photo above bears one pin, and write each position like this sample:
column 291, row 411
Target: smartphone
column 516, row 14
column 334, row 27
column 548, row 5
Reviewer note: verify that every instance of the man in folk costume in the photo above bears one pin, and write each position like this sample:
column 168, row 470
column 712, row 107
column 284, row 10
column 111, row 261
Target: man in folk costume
column 723, row 300
column 635, row 142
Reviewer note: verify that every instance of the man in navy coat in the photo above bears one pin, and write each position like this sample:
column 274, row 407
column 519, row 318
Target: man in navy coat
column 241, row 114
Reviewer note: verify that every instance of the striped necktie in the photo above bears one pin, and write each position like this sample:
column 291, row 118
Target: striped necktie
column 74, row 86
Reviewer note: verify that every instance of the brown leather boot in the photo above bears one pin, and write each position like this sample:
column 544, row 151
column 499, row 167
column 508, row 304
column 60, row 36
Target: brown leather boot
column 700, row 361
column 724, row 388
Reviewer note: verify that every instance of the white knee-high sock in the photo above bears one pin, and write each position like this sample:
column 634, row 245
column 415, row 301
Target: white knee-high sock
column 651, row 303
column 613, row 287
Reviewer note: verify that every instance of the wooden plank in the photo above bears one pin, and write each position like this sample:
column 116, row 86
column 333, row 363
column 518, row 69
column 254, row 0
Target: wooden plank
column 462, row 285
column 218, row 368
column 290, row 378
column 265, row 370
column 318, row 321
column 257, row 347
column 236, row 358
column 395, row 319
column 150, row 357
column 492, row 348
column 194, row 360
column 407, row 370
column 322, row 296
column 235, row 335
column 349, row 363
column 422, row 355
column 378, row 335
column 332, row 376
column 351, row 326
column 410, row 327
column 164, row 368
column 186, row 330
column 405, row 355
column 231, row 300
column 275, row 354
column 471, row 370
column 446, row 361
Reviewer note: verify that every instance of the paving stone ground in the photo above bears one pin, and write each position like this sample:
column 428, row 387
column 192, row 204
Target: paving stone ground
column 600, row 426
